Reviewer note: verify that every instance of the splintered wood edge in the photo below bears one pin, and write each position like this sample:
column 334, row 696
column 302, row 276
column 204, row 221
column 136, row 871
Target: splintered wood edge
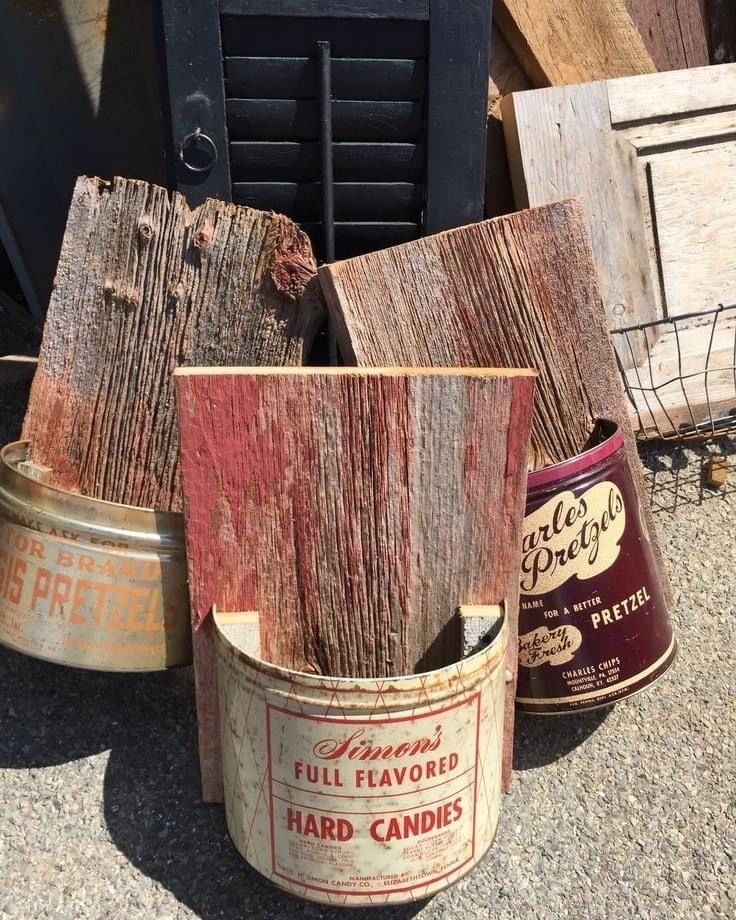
column 356, row 371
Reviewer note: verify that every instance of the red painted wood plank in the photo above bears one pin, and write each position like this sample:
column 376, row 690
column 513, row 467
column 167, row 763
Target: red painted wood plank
column 355, row 510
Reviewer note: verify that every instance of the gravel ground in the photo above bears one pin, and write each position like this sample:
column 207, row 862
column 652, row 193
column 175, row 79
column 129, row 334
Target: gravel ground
column 625, row 812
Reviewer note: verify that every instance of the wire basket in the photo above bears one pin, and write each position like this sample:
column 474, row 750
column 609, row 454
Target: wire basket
column 682, row 378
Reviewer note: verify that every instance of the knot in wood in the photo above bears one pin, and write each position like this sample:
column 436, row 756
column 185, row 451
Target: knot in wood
column 203, row 237
column 145, row 229
column 293, row 261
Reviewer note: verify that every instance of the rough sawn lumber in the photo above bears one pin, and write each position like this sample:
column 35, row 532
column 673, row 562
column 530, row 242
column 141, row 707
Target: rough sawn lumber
column 673, row 32
column 519, row 290
column 145, row 284
column 573, row 41
column 354, row 510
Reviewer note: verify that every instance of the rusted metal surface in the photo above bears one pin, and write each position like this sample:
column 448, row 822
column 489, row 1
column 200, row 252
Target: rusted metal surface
column 593, row 622
column 89, row 583
column 356, row 791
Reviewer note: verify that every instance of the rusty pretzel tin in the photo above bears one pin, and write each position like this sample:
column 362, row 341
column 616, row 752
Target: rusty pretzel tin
column 355, row 791
column 89, row 583
column 593, row 624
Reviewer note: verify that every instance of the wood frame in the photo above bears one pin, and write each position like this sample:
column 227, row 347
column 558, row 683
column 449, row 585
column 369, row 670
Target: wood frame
column 191, row 32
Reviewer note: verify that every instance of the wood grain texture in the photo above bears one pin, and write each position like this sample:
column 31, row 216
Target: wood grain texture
column 517, row 290
column 669, row 96
column 572, row 41
column 143, row 285
column 514, row 291
column 506, row 76
column 673, row 32
column 653, row 159
column 355, row 511
column 339, row 502
column 560, row 143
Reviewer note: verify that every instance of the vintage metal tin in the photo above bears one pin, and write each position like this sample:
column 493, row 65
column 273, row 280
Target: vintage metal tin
column 89, row 583
column 593, row 624
column 361, row 792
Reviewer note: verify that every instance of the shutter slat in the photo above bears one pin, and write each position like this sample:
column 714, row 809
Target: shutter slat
column 354, row 237
column 356, row 201
column 298, row 120
column 298, row 78
column 273, row 36
column 258, row 161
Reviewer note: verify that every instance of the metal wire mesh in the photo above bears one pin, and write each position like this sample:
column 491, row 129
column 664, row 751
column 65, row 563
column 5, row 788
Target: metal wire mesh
column 688, row 395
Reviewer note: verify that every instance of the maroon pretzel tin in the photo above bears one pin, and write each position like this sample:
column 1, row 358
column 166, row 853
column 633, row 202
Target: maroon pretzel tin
column 593, row 624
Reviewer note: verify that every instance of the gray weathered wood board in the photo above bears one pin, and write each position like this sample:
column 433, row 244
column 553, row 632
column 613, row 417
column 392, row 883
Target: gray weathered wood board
column 653, row 159
column 145, row 284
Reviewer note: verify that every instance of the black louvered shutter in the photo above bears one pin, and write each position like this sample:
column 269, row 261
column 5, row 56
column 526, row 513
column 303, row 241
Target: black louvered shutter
column 409, row 89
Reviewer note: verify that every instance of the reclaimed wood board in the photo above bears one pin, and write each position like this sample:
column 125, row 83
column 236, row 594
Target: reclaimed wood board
column 354, row 510
column 519, row 290
column 653, row 159
column 145, row 284
column 673, row 32
column 573, row 41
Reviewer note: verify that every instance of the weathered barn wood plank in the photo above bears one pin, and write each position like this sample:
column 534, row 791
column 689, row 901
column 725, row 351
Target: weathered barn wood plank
column 673, row 32
column 519, row 290
column 143, row 285
column 354, row 510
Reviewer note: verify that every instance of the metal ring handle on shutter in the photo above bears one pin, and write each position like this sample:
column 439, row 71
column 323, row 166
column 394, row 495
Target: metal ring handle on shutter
column 193, row 139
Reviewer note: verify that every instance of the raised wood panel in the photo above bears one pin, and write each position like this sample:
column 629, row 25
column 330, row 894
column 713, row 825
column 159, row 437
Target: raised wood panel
column 653, row 159
column 693, row 194
column 671, row 95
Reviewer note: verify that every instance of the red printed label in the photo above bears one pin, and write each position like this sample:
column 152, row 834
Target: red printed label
column 373, row 806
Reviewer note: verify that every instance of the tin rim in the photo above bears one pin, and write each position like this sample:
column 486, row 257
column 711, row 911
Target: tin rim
column 466, row 672
column 140, row 526
column 609, row 704
column 558, row 472
column 20, row 448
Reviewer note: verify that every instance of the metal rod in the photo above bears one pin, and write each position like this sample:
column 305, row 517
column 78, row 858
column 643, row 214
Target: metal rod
column 669, row 320
column 328, row 178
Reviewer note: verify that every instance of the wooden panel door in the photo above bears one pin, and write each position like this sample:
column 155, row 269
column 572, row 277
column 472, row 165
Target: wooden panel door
column 654, row 160
column 409, row 93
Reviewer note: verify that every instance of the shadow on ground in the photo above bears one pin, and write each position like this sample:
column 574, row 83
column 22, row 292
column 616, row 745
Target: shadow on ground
column 675, row 472
column 51, row 715
column 541, row 740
